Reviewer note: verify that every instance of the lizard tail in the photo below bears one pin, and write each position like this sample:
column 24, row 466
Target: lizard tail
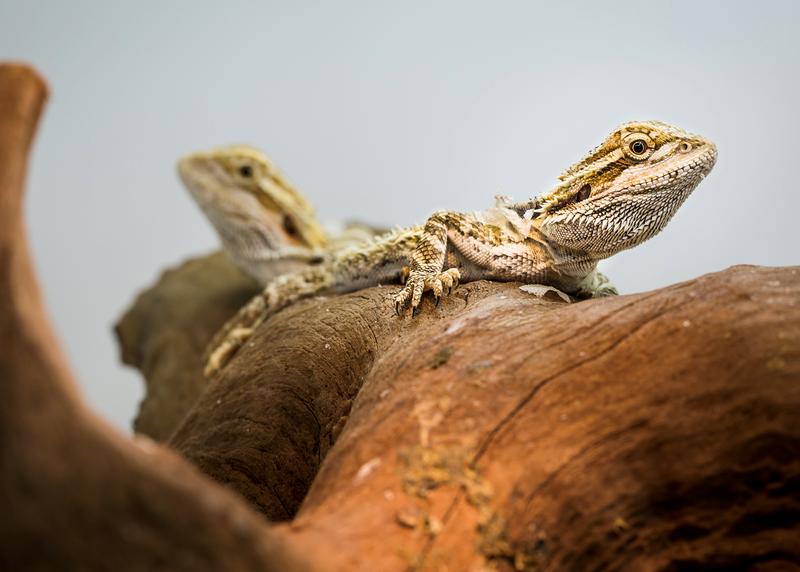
column 278, row 294
column 351, row 269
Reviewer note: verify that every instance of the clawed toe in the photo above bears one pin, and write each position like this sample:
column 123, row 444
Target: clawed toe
column 440, row 284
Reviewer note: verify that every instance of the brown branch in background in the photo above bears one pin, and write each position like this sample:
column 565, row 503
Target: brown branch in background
column 190, row 304
column 74, row 493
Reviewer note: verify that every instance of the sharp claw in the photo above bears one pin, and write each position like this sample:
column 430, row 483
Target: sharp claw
column 436, row 301
column 414, row 311
column 397, row 308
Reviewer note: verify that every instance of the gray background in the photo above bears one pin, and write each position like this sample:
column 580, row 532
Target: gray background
column 385, row 111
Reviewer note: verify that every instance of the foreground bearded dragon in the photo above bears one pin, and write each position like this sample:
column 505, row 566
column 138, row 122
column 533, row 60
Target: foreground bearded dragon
column 621, row 194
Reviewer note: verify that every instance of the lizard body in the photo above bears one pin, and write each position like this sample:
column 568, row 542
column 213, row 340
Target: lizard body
column 619, row 195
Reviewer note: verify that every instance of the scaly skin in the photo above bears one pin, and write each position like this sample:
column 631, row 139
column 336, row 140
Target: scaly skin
column 621, row 194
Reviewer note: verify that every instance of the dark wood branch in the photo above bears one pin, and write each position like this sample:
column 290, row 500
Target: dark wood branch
column 167, row 328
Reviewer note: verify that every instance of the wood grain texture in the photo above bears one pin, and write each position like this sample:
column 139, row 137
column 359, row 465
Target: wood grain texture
column 650, row 431
column 654, row 431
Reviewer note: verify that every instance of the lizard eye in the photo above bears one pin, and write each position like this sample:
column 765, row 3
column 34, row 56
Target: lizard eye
column 246, row 171
column 637, row 146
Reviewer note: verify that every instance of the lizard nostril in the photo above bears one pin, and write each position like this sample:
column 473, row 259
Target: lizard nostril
column 685, row 147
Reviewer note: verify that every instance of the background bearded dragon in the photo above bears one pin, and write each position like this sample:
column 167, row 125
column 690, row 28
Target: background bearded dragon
column 267, row 227
column 619, row 195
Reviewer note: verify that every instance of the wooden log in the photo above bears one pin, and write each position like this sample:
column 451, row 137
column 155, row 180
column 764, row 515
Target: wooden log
column 654, row 431
column 650, row 431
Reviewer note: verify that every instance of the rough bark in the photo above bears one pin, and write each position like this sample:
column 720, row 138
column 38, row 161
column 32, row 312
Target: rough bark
column 74, row 493
column 651, row 431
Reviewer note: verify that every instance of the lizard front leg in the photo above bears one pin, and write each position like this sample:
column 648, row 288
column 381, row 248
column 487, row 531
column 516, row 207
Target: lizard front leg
column 278, row 294
column 454, row 247
column 450, row 238
column 426, row 268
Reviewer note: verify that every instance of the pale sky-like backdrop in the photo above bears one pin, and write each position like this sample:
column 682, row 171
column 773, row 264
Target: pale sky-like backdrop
column 386, row 111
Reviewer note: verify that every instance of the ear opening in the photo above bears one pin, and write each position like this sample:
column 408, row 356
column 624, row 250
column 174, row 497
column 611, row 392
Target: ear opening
column 584, row 193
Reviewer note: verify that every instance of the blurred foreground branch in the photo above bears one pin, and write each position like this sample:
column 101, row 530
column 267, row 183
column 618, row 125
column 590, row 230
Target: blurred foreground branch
column 74, row 493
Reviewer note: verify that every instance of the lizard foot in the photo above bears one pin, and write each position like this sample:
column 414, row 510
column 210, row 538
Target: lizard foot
column 597, row 285
column 419, row 282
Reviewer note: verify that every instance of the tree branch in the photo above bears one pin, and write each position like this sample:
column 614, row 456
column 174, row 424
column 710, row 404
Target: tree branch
column 74, row 493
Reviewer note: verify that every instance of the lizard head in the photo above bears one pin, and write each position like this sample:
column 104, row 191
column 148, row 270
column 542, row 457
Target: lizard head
column 248, row 200
column 625, row 190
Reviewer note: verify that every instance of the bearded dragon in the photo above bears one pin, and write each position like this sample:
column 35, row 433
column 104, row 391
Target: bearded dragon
column 266, row 226
column 620, row 194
